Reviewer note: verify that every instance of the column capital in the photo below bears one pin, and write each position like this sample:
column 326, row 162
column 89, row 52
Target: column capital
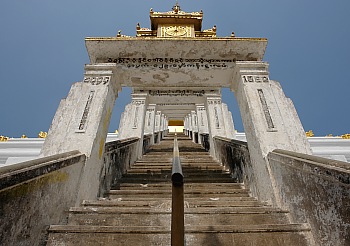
column 250, row 73
column 252, row 67
column 101, row 74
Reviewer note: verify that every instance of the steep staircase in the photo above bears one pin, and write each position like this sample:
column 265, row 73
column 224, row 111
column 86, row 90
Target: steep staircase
column 217, row 211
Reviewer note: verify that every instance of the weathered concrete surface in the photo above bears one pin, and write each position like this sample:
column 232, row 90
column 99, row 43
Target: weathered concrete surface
column 217, row 211
column 205, row 141
column 234, row 155
column 81, row 123
column 315, row 190
column 118, row 157
column 160, row 63
column 269, row 119
column 35, row 194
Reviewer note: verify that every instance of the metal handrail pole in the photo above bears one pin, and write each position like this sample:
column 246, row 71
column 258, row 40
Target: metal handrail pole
column 177, row 209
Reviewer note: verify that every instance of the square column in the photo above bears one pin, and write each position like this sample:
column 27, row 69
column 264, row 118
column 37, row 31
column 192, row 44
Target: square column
column 186, row 128
column 150, row 121
column 124, row 121
column 81, row 123
column 202, row 121
column 194, row 126
column 228, row 121
column 134, row 119
column 216, row 122
column 161, row 126
column 157, row 126
column 164, row 125
column 270, row 122
column 190, row 126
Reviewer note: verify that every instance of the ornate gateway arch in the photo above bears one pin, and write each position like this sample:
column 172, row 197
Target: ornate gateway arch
column 176, row 71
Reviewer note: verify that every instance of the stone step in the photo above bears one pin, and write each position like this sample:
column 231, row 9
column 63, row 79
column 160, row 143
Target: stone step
column 187, row 189
column 120, row 194
column 199, row 163
column 149, row 180
column 183, row 164
column 168, row 185
column 213, row 202
column 193, row 152
column 145, row 218
column 188, row 168
column 190, row 200
column 184, row 160
column 187, row 176
column 214, row 194
column 168, row 195
column 165, row 207
column 262, row 235
column 186, row 172
column 193, row 191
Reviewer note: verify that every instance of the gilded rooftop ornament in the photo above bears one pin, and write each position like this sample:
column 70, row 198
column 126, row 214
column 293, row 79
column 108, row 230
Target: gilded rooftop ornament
column 175, row 23
column 4, row 139
column 310, row 133
column 42, row 134
column 176, row 7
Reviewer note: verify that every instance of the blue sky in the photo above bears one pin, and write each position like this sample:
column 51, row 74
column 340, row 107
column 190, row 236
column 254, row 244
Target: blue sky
column 42, row 53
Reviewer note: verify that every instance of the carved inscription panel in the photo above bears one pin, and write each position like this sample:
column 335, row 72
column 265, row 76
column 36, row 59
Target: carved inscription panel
column 198, row 93
column 218, row 101
column 255, row 79
column 97, row 80
column 270, row 125
column 171, row 63
column 82, row 124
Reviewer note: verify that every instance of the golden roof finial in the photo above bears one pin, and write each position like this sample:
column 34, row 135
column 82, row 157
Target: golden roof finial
column 310, row 133
column 4, row 139
column 42, row 134
column 24, row 136
column 176, row 7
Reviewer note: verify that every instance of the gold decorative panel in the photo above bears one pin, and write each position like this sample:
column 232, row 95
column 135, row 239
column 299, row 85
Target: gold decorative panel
column 176, row 31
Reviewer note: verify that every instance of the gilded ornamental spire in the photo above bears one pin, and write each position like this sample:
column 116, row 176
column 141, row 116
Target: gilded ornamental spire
column 175, row 23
